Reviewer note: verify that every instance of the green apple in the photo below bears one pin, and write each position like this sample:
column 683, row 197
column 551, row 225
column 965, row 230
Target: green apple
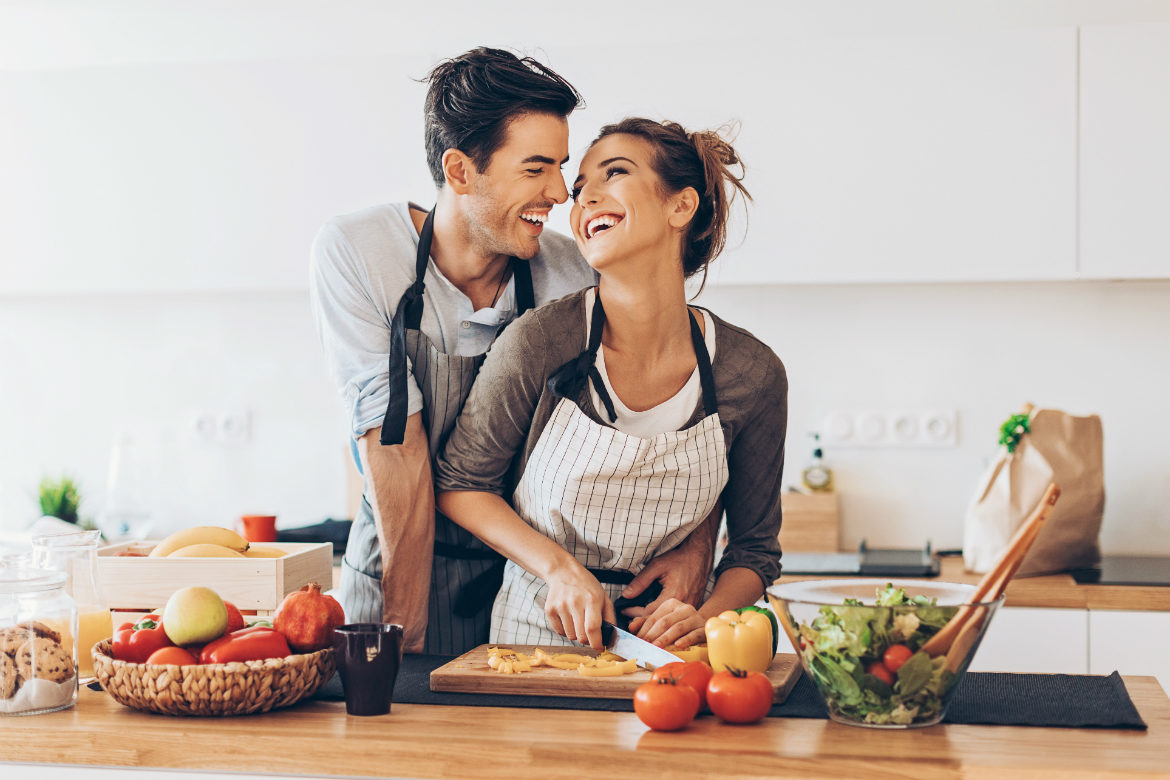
column 194, row 615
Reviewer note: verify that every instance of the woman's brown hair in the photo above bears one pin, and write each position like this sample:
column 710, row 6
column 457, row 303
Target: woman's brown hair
column 703, row 161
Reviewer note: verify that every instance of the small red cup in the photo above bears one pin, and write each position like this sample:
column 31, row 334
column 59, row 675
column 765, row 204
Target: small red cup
column 259, row 528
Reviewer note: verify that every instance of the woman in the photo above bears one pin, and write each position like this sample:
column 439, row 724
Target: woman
column 619, row 416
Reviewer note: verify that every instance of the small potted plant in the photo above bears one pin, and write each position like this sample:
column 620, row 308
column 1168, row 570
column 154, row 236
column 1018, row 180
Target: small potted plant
column 60, row 498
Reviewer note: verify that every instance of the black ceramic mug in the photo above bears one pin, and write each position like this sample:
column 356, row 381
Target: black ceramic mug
column 368, row 657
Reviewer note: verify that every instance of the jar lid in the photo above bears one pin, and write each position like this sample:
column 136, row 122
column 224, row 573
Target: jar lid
column 24, row 580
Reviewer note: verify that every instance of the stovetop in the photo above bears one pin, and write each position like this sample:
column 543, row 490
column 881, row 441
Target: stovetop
column 1126, row 570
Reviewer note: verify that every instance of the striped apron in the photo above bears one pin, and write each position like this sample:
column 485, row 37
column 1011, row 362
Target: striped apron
column 465, row 573
column 612, row 500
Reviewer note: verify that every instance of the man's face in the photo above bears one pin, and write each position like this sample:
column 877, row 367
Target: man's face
column 510, row 201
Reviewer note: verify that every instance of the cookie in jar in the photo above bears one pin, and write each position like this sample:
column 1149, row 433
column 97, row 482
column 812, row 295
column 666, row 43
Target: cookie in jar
column 38, row 661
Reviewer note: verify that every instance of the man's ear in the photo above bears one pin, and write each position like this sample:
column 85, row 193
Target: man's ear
column 683, row 207
column 458, row 170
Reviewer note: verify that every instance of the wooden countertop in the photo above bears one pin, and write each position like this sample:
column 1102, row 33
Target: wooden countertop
column 318, row 738
column 1059, row 591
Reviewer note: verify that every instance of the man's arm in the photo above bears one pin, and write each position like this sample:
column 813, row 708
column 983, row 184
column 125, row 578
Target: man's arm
column 399, row 488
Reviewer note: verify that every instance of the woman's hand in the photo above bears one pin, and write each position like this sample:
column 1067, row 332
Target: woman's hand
column 674, row 622
column 576, row 604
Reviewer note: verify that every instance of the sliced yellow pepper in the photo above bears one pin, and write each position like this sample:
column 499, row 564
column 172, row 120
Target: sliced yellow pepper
column 740, row 641
column 608, row 668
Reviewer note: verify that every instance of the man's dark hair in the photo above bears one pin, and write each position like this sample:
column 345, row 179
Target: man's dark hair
column 472, row 98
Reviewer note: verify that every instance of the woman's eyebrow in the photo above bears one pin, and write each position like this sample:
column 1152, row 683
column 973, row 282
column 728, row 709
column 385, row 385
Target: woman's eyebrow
column 602, row 164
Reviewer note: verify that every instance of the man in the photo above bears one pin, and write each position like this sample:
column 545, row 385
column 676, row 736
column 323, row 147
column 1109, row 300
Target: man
column 406, row 304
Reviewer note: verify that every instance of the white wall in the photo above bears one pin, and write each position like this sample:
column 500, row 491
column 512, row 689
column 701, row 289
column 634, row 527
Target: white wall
column 85, row 353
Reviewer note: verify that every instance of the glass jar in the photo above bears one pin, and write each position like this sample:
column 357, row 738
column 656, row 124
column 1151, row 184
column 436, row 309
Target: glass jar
column 38, row 649
column 75, row 554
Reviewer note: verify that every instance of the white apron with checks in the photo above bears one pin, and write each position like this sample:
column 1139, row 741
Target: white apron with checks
column 613, row 500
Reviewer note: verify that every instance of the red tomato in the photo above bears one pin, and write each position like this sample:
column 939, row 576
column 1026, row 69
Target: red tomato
column 235, row 619
column 693, row 674
column 172, row 655
column 895, row 656
column 879, row 670
column 664, row 706
column 739, row 697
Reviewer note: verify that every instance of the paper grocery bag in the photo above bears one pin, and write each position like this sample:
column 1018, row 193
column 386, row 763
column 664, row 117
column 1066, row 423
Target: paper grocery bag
column 1058, row 448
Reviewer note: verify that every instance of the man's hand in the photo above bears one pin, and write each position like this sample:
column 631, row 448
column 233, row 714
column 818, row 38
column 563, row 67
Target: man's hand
column 672, row 623
column 683, row 572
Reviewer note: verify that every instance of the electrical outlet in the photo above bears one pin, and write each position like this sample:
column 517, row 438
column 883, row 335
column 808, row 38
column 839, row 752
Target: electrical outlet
column 221, row 428
column 891, row 429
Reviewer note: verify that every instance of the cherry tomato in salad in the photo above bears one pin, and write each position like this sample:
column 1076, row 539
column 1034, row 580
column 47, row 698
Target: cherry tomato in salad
column 693, row 674
column 664, row 705
column 895, row 656
column 738, row 696
column 879, row 670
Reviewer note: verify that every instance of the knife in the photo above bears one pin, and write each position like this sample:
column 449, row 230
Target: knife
column 625, row 644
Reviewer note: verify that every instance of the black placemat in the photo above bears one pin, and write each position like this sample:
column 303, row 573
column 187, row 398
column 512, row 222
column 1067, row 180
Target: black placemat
column 1066, row 700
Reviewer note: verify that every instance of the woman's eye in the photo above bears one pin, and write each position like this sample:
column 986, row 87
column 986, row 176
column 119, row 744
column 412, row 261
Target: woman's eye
column 575, row 193
column 613, row 171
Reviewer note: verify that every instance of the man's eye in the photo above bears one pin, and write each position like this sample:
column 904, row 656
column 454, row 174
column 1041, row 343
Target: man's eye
column 534, row 171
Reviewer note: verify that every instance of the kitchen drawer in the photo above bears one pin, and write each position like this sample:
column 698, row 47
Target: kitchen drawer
column 1024, row 639
column 1130, row 643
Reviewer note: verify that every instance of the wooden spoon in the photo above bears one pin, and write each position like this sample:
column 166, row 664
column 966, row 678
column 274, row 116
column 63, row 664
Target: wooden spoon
column 965, row 623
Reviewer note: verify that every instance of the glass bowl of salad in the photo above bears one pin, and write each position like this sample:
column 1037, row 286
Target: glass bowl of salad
column 864, row 644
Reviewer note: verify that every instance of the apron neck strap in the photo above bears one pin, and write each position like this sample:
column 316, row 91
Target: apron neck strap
column 569, row 379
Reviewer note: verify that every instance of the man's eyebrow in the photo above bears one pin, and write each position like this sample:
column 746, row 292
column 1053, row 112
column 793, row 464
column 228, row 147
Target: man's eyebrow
column 540, row 158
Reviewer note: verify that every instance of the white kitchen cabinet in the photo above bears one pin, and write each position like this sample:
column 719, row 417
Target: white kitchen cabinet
column 1130, row 643
column 1026, row 639
column 197, row 175
column 1125, row 151
column 877, row 157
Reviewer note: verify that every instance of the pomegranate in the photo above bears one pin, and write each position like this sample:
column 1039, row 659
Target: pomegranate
column 307, row 618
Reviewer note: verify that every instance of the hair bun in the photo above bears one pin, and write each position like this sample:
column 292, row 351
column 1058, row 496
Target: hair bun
column 711, row 143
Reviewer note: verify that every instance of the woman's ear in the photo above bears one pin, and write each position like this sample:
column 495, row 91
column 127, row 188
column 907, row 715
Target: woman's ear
column 457, row 171
column 683, row 207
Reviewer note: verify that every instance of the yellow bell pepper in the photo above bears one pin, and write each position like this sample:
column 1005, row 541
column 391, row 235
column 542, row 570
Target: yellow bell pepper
column 740, row 641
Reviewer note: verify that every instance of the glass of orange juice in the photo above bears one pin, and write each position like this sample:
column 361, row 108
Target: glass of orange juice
column 76, row 555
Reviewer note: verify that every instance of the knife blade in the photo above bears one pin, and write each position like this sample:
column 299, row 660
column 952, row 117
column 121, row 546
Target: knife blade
column 625, row 644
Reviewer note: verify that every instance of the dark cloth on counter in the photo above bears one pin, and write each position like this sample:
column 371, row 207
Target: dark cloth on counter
column 1063, row 700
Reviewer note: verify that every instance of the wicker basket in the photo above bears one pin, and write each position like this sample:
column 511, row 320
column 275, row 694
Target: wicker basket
column 237, row 688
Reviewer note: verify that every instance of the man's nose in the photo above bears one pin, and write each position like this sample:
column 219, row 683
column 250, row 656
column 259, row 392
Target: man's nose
column 557, row 190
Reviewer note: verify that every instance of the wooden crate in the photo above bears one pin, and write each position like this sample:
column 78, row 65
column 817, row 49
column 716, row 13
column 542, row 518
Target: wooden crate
column 136, row 584
column 810, row 522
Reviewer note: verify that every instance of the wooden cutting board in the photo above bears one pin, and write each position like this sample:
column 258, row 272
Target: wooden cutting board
column 470, row 673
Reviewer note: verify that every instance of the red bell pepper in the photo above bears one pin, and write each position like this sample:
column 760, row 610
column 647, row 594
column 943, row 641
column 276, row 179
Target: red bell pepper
column 137, row 642
column 247, row 644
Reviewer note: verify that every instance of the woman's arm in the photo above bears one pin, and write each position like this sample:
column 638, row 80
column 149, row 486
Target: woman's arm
column 755, row 463
column 576, row 603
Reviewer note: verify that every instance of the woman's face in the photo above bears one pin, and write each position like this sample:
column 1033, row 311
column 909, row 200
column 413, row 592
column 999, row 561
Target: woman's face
column 619, row 210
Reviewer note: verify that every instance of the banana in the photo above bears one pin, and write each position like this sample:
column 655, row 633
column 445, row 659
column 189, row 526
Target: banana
column 200, row 534
column 205, row 551
column 258, row 551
